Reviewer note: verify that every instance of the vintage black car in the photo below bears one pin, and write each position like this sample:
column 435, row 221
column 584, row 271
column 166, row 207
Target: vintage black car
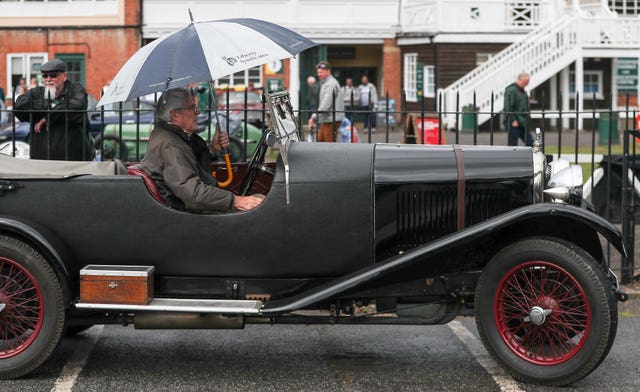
column 347, row 234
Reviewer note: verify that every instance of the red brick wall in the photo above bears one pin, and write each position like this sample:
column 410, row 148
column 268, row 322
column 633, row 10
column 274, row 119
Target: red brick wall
column 392, row 70
column 105, row 49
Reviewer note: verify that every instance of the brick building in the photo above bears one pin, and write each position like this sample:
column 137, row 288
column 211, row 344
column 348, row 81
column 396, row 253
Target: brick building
column 94, row 38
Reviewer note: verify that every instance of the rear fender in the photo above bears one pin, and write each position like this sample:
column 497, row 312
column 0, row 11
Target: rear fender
column 44, row 242
column 421, row 256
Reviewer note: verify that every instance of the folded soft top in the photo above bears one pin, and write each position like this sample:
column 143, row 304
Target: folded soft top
column 14, row 168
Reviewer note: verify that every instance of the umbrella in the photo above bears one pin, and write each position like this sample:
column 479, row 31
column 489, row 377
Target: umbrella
column 203, row 51
column 200, row 52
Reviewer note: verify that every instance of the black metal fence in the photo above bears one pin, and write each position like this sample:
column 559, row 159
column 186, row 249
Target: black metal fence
column 605, row 145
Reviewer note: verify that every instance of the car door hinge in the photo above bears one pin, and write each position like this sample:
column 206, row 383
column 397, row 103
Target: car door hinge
column 6, row 186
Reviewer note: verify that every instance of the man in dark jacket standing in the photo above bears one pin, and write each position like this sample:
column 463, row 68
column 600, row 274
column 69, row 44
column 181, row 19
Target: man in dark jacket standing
column 178, row 159
column 58, row 117
column 516, row 111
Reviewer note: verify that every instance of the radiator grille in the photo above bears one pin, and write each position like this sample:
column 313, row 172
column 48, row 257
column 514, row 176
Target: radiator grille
column 423, row 216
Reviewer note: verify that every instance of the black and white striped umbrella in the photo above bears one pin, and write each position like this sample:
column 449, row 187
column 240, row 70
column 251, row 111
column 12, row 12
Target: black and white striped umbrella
column 202, row 51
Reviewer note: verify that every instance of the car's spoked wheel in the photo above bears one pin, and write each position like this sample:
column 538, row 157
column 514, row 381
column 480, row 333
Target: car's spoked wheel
column 546, row 311
column 21, row 308
column 31, row 308
column 542, row 313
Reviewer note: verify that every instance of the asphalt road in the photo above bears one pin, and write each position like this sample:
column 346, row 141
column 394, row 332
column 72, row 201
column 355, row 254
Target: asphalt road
column 305, row 358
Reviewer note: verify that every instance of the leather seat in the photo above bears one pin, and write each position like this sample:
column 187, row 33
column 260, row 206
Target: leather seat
column 152, row 187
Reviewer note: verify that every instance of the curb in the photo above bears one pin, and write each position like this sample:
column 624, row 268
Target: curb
column 632, row 293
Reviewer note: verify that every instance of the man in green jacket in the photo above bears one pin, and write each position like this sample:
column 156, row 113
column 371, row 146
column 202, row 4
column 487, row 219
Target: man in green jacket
column 516, row 111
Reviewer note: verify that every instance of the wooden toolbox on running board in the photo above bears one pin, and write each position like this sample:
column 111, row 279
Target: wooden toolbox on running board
column 116, row 284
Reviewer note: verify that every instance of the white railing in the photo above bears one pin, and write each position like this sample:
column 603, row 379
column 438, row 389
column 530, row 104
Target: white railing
column 542, row 53
column 474, row 16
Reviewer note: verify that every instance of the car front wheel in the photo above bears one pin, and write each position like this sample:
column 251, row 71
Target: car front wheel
column 31, row 308
column 546, row 311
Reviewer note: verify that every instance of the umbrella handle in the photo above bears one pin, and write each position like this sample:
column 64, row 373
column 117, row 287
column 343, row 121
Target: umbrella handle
column 227, row 162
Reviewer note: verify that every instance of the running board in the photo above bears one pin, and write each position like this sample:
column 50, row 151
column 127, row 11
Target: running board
column 222, row 306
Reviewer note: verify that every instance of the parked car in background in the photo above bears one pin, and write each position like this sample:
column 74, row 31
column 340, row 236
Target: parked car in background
column 21, row 147
column 125, row 112
column 129, row 142
column 235, row 102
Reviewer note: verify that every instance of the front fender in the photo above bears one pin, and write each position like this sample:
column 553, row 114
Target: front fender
column 375, row 273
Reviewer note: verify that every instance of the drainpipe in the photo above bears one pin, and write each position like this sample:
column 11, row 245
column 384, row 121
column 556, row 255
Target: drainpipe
column 294, row 80
column 579, row 74
column 435, row 66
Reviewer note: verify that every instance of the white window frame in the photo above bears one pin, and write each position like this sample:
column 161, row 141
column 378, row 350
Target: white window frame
column 586, row 74
column 25, row 71
column 246, row 80
column 485, row 55
column 625, row 7
column 429, row 87
column 410, row 76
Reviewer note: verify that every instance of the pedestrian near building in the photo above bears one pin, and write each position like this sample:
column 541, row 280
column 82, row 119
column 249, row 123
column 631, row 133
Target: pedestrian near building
column 351, row 98
column 368, row 103
column 312, row 95
column 58, row 115
column 330, row 105
column 21, row 88
column 516, row 111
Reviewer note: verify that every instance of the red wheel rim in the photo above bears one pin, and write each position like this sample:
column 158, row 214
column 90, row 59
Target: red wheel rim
column 22, row 308
column 542, row 313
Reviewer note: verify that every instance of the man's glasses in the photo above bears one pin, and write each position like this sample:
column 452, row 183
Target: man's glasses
column 193, row 108
column 50, row 75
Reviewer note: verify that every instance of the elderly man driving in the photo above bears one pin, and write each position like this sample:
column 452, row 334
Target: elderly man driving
column 178, row 159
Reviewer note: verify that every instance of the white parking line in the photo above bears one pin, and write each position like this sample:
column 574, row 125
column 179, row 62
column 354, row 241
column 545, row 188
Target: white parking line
column 502, row 378
column 73, row 367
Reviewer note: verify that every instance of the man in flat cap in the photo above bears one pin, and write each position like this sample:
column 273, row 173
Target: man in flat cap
column 57, row 113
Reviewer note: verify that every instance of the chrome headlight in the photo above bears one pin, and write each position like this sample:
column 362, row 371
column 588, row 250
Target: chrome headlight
column 565, row 182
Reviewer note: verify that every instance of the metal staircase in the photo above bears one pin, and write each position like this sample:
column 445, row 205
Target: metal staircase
column 542, row 53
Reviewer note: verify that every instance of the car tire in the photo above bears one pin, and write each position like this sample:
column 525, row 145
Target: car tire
column 32, row 316
column 112, row 147
column 546, row 311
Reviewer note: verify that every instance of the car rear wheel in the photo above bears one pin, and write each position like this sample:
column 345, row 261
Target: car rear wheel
column 31, row 308
column 546, row 311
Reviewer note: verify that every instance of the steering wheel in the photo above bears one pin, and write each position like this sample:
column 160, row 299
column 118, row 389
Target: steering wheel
column 256, row 165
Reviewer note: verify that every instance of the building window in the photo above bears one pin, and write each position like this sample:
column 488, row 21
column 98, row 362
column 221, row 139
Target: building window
column 523, row 13
column 410, row 76
column 75, row 66
column 592, row 84
column 251, row 77
column 22, row 65
column 625, row 7
column 429, row 81
column 483, row 57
